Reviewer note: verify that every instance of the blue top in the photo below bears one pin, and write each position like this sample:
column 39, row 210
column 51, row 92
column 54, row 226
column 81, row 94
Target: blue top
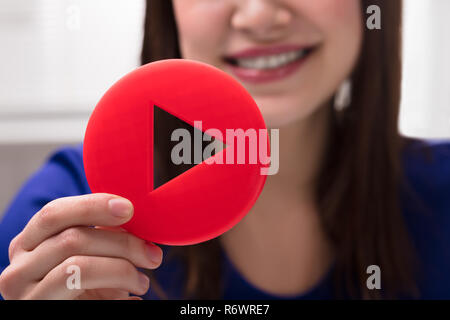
column 429, row 178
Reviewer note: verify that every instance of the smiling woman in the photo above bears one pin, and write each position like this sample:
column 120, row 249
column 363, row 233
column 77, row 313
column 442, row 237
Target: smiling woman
column 361, row 145
column 354, row 211
column 280, row 51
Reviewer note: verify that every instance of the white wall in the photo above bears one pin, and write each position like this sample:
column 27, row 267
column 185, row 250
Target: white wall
column 57, row 58
column 426, row 87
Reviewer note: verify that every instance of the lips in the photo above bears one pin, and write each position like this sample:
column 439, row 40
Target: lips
column 267, row 64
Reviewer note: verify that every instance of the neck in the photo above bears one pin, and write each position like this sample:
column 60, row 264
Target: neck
column 285, row 217
column 302, row 147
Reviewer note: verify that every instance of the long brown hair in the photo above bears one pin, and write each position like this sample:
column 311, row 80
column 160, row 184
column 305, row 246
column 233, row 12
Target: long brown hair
column 358, row 189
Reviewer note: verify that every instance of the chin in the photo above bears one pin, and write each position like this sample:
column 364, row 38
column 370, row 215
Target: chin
column 278, row 114
column 278, row 121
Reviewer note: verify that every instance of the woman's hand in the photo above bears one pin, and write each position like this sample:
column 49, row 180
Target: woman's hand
column 61, row 239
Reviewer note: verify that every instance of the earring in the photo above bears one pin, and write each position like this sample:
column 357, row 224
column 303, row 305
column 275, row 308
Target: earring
column 343, row 96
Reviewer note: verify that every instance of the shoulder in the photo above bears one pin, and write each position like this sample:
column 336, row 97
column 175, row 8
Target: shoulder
column 62, row 173
column 70, row 157
column 426, row 206
column 427, row 171
column 428, row 157
column 73, row 154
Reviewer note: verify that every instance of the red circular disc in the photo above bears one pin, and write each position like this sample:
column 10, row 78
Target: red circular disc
column 202, row 202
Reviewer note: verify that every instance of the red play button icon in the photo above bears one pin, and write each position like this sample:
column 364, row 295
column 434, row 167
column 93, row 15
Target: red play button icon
column 213, row 194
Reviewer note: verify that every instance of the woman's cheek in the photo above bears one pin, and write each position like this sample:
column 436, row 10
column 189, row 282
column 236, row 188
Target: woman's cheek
column 340, row 22
column 336, row 20
column 202, row 28
column 330, row 12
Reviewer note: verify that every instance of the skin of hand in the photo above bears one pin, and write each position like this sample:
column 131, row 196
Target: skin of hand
column 82, row 231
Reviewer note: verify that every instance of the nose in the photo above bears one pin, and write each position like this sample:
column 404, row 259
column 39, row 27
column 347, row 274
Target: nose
column 261, row 18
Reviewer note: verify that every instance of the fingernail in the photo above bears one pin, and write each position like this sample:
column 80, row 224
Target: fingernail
column 144, row 282
column 154, row 254
column 120, row 207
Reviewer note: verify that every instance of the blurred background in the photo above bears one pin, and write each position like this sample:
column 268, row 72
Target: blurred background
column 58, row 57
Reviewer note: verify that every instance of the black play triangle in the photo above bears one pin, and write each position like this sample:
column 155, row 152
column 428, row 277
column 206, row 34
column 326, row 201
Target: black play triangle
column 164, row 124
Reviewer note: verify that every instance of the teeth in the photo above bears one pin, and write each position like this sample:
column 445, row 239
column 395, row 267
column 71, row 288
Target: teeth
column 272, row 61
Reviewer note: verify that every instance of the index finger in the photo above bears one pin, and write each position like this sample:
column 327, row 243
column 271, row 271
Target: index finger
column 98, row 209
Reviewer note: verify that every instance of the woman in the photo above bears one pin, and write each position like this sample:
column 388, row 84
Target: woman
column 351, row 195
